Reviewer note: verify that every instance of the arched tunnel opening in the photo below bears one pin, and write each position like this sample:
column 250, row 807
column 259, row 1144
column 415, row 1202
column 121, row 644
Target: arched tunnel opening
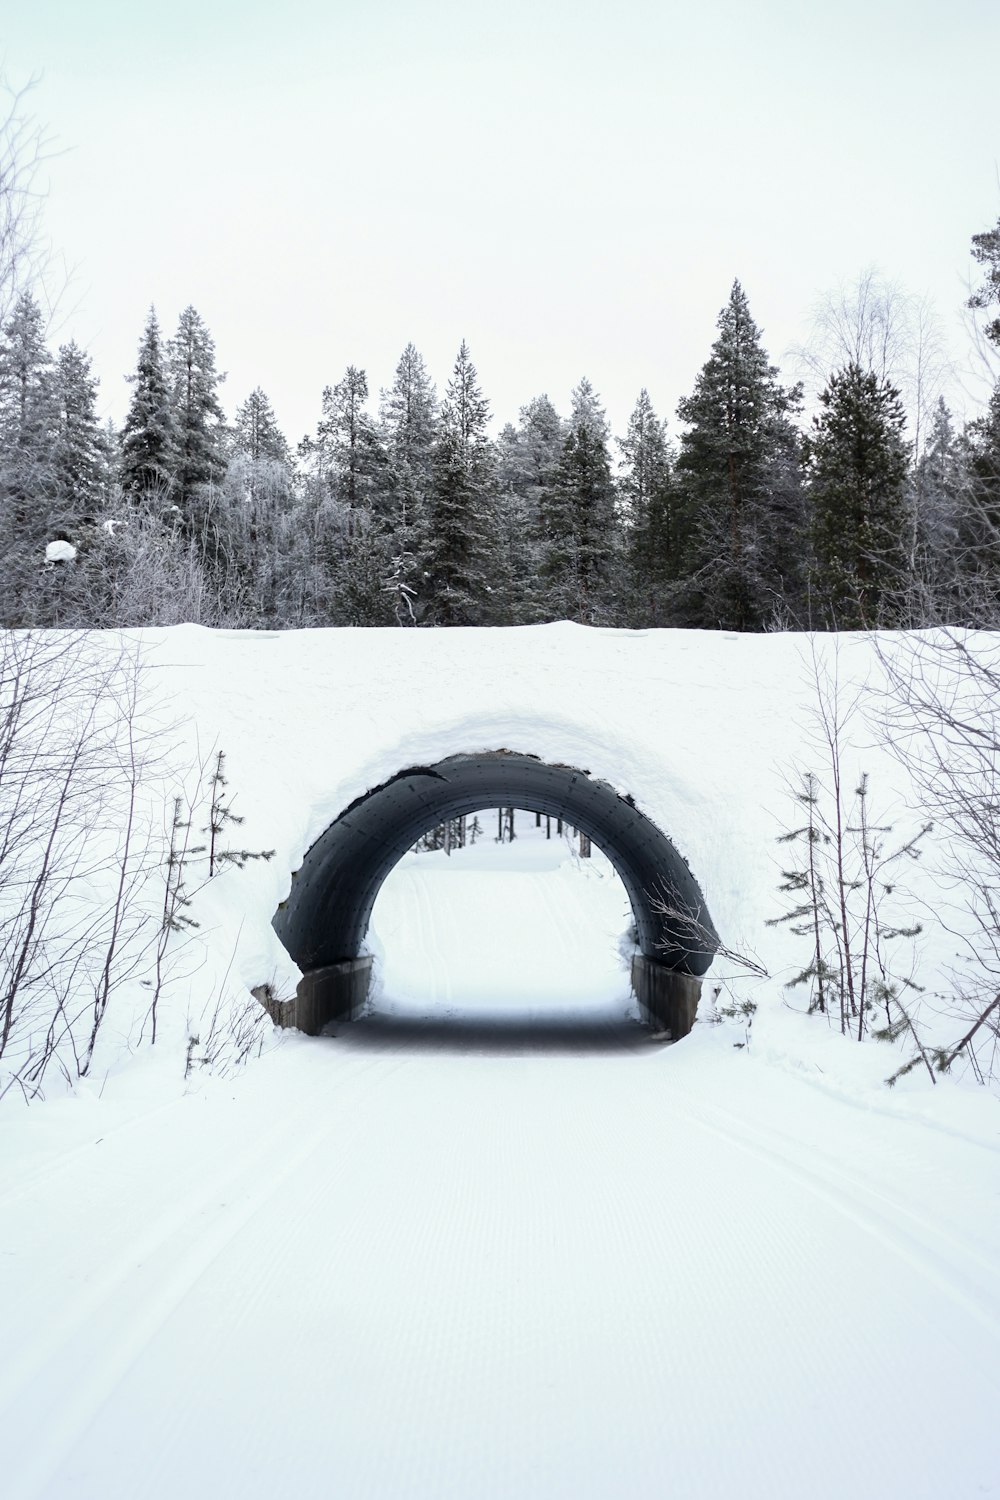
column 324, row 920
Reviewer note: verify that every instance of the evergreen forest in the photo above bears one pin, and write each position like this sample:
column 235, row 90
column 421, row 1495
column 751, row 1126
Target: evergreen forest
column 745, row 512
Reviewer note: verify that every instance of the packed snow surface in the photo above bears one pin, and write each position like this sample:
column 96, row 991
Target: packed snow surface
column 493, row 1239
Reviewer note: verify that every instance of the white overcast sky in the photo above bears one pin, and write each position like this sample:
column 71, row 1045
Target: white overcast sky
column 570, row 186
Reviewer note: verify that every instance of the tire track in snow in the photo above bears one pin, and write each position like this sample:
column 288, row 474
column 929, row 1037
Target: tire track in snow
column 529, row 1276
column 25, row 1182
column 149, row 1280
column 952, row 1267
column 142, row 1245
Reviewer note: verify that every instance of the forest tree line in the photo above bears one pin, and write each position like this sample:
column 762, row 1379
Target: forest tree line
column 877, row 510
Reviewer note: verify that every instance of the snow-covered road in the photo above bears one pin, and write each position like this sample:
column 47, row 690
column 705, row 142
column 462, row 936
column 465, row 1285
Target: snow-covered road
column 455, row 1259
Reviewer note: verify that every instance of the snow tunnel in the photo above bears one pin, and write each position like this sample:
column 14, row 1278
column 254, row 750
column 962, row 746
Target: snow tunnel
column 323, row 922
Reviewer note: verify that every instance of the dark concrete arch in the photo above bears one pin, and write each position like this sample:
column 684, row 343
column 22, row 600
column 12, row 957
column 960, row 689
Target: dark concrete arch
column 324, row 920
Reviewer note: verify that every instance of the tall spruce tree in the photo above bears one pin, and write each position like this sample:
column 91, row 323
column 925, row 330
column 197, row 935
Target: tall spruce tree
column 514, row 579
column 857, row 464
column 461, row 511
column 347, row 434
column 258, row 485
column 528, row 458
column 984, row 443
column 256, row 433
column 408, row 414
column 986, row 251
column 149, row 439
column 740, row 510
column 540, row 434
column 198, row 417
column 646, row 488
column 408, row 424
column 28, row 426
column 979, row 543
column 579, row 541
column 29, row 510
column 27, row 405
column 80, row 451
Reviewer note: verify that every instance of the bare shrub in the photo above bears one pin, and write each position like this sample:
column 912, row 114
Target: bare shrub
column 847, row 898
column 24, row 149
column 75, row 848
column 943, row 722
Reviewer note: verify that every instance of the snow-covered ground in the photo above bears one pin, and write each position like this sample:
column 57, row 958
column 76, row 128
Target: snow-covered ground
column 493, row 1240
column 528, row 928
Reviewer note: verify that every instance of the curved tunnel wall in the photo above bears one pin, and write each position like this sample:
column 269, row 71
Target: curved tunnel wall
column 326, row 915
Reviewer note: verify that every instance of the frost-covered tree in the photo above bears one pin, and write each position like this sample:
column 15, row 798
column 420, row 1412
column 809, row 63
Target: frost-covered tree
column 579, row 541
column 857, row 464
column 513, row 581
column 979, row 532
column 28, row 421
column 649, row 503
column 460, row 517
column 28, row 500
column 27, row 406
column 588, row 412
column 408, row 415
column 198, row 417
column 739, row 513
column 348, row 437
column 256, row 432
column 939, row 489
column 986, row 251
column 528, row 458
column 540, row 433
column 364, row 595
column 149, row 440
column 408, row 422
column 260, row 461
column 80, row 453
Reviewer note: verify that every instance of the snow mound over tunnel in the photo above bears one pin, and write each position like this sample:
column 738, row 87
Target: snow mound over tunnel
column 702, row 731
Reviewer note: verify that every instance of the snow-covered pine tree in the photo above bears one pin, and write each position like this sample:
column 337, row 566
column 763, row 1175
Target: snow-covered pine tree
column 646, row 490
column 984, row 435
column 587, row 411
column 148, row 439
column 80, row 451
column 940, row 486
column 256, row 432
column 540, row 434
column 857, row 464
column 27, row 405
column 740, row 519
column 579, row 531
column 28, row 502
column 461, row 511
column 513, row 597
column 408, row 416
column 252, row 514
column 361, row 595
column 986, row 252
column 528, row 457
column 198, row 417
column 408, row 420
column 260, row 461
column 979, row 543
column 350, row 440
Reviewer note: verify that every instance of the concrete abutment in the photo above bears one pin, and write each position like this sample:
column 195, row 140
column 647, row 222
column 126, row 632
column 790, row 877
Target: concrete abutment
column 667, row 998
column 336, row 992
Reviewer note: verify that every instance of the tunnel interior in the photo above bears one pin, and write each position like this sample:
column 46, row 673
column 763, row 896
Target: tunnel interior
column 325, row 917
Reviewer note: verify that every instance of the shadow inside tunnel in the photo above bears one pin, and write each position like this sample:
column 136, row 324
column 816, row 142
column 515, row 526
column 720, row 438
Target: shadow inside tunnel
column 494, row 1034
